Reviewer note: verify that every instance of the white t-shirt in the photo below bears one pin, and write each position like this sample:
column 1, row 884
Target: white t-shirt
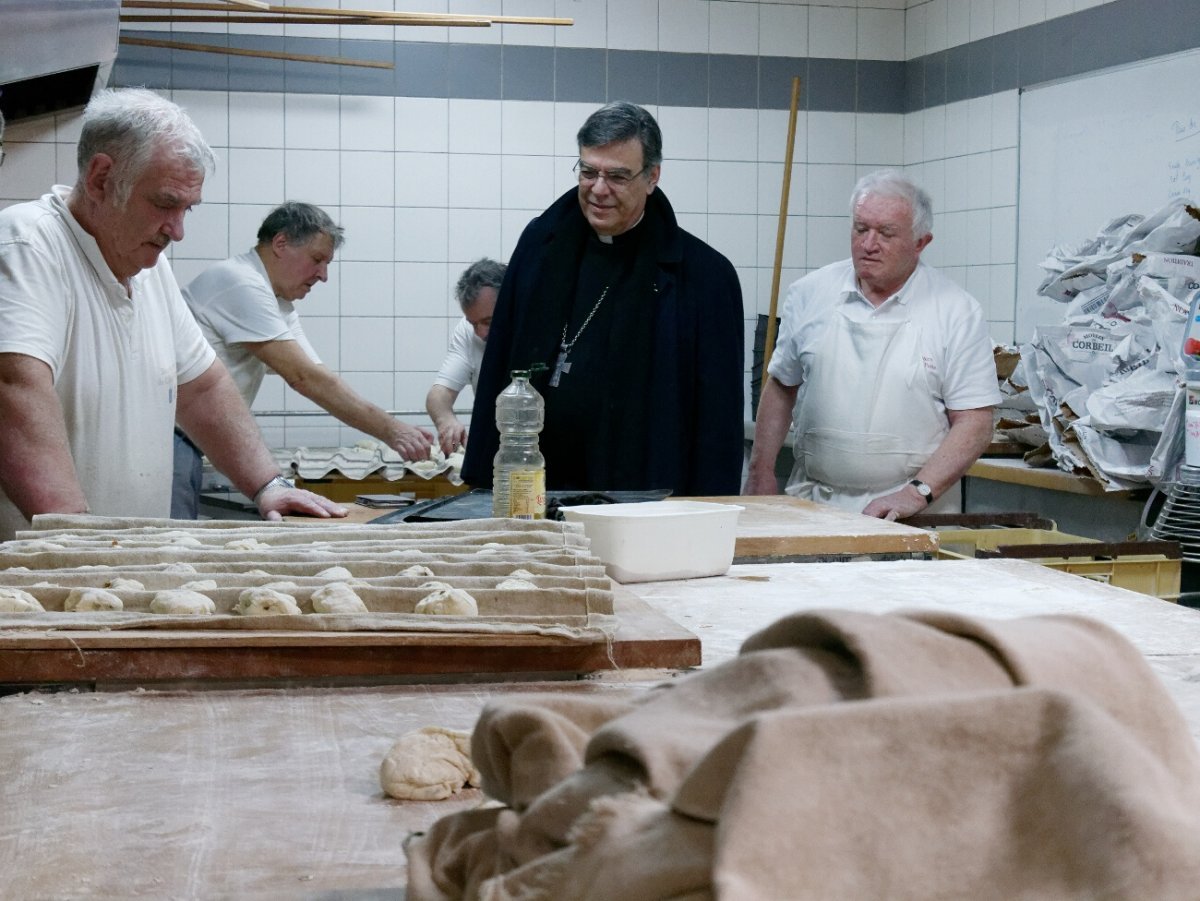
column 116, row 360
column 234, row 303
column 462, row 359
column 953, row 336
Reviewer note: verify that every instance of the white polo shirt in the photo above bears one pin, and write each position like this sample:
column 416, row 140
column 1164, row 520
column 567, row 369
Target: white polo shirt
column 462, row 359
column 956, row 349
column 116, row 359
column 234, row 303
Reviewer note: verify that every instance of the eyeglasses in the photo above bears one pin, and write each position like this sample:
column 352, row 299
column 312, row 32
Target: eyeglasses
column 617, row 179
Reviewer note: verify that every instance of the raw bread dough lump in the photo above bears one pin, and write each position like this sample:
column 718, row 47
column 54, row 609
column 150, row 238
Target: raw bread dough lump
column 86, row 600
column 429, row 764
column 14, row 600
column 340, row 573
column 200, row 585
column 265, row 602
column 417, row 570
column 120, row 583
column 181, row 601
column 515, row 585
column 447, row 602
column 246, row 544
column 337, row 597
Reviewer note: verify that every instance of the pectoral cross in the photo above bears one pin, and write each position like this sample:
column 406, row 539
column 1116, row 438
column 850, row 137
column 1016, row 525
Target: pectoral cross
column 560, row 365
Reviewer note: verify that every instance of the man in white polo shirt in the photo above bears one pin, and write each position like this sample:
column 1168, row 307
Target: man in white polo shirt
column 245, row 307
column 99, row 357
column 895, row 365
column 475, row 292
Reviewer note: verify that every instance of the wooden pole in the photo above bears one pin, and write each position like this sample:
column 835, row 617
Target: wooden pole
column 262, row 54
column 769, row 342
column 398, row 16
column 303, row 20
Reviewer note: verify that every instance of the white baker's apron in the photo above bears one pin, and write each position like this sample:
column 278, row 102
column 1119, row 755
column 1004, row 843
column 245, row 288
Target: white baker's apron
column 867, row 421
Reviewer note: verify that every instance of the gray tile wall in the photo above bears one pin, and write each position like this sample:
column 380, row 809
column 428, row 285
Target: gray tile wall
column 1095, row 38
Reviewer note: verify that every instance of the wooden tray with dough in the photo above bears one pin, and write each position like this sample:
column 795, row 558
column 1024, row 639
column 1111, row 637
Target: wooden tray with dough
column 644, row 639
column 569, row 619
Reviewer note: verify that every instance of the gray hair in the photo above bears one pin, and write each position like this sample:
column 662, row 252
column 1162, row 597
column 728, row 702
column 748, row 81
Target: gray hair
column 131, row 125
column 299, row 223
column 893, row 183
column 483, row 273
column 620, row 121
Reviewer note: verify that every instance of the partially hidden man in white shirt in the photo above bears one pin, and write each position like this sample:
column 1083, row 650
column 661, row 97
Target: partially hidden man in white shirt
column 98, row 355
column 886, row 366
column 245, row 308
column 476, row 293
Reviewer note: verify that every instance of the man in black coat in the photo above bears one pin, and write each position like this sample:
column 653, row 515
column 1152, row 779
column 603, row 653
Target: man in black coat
column 638, row 322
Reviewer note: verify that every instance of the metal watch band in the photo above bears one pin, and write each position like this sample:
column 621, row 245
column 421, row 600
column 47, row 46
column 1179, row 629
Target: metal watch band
column 277, row 482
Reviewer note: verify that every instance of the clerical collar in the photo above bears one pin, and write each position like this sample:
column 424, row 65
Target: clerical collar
column 608, row 239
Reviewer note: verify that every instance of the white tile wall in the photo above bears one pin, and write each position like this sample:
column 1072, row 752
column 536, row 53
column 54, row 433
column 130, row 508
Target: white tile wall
column 424, row 186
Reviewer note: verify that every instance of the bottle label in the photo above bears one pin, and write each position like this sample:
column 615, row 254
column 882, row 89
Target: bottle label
column 527, row 494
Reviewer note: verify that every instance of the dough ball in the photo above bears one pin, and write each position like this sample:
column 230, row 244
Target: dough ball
column 200, row 585
column 432, row 585
column 86, row 600
column 417, row 570
column 256, row 572
column 521, row 574
column 448, row 602
column 14, row 600
column 516, row 585
column 246, row 544
column 492, row 547
column 181, row 602
column 185, row 541
column 178, row 568
column 429, row 764
column 337, row 597
column 285, row 587
column 120, row 584
column 265, row 602
column 338, row 573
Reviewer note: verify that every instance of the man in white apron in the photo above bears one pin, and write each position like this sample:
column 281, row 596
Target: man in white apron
column 887, row 366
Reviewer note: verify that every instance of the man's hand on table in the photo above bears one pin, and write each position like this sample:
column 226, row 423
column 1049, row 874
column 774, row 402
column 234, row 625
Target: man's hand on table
column 278, row 497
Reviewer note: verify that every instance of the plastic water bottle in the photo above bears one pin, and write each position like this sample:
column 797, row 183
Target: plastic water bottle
column 519, row 469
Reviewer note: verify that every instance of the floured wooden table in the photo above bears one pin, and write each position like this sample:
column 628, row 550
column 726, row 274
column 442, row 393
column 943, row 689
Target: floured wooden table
column 275, row 794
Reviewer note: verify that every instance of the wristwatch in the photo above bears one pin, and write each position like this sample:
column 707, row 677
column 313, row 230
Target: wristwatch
column 277, row 482
column 924, row 490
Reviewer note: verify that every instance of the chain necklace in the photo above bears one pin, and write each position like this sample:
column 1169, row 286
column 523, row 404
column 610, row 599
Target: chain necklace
column 560, row 364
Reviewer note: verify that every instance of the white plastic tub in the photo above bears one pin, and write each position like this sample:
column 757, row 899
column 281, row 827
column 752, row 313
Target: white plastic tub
column 658, row 540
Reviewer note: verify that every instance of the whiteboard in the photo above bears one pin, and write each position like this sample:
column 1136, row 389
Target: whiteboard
column 1122, row 140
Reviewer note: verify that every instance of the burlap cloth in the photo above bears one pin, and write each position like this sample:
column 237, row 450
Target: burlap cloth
column 842, row 756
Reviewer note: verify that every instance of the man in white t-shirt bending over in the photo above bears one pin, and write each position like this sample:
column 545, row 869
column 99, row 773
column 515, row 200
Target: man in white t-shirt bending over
column 244, row 306
column 476, row 295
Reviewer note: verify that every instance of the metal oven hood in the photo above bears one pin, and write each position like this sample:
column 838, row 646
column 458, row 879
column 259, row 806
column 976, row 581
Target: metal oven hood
column 54, row 52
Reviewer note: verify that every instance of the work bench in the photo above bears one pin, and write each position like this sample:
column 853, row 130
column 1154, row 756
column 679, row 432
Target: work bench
column 275, row 793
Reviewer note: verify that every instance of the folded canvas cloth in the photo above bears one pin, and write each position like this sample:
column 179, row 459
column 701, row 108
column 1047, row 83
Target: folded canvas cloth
column 842, row 755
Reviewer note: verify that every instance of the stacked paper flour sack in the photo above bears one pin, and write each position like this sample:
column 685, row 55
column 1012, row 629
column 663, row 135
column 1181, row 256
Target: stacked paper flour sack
column 1108, row 383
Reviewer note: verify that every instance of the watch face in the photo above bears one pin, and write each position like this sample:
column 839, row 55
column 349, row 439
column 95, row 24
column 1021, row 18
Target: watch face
column 922, row 489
